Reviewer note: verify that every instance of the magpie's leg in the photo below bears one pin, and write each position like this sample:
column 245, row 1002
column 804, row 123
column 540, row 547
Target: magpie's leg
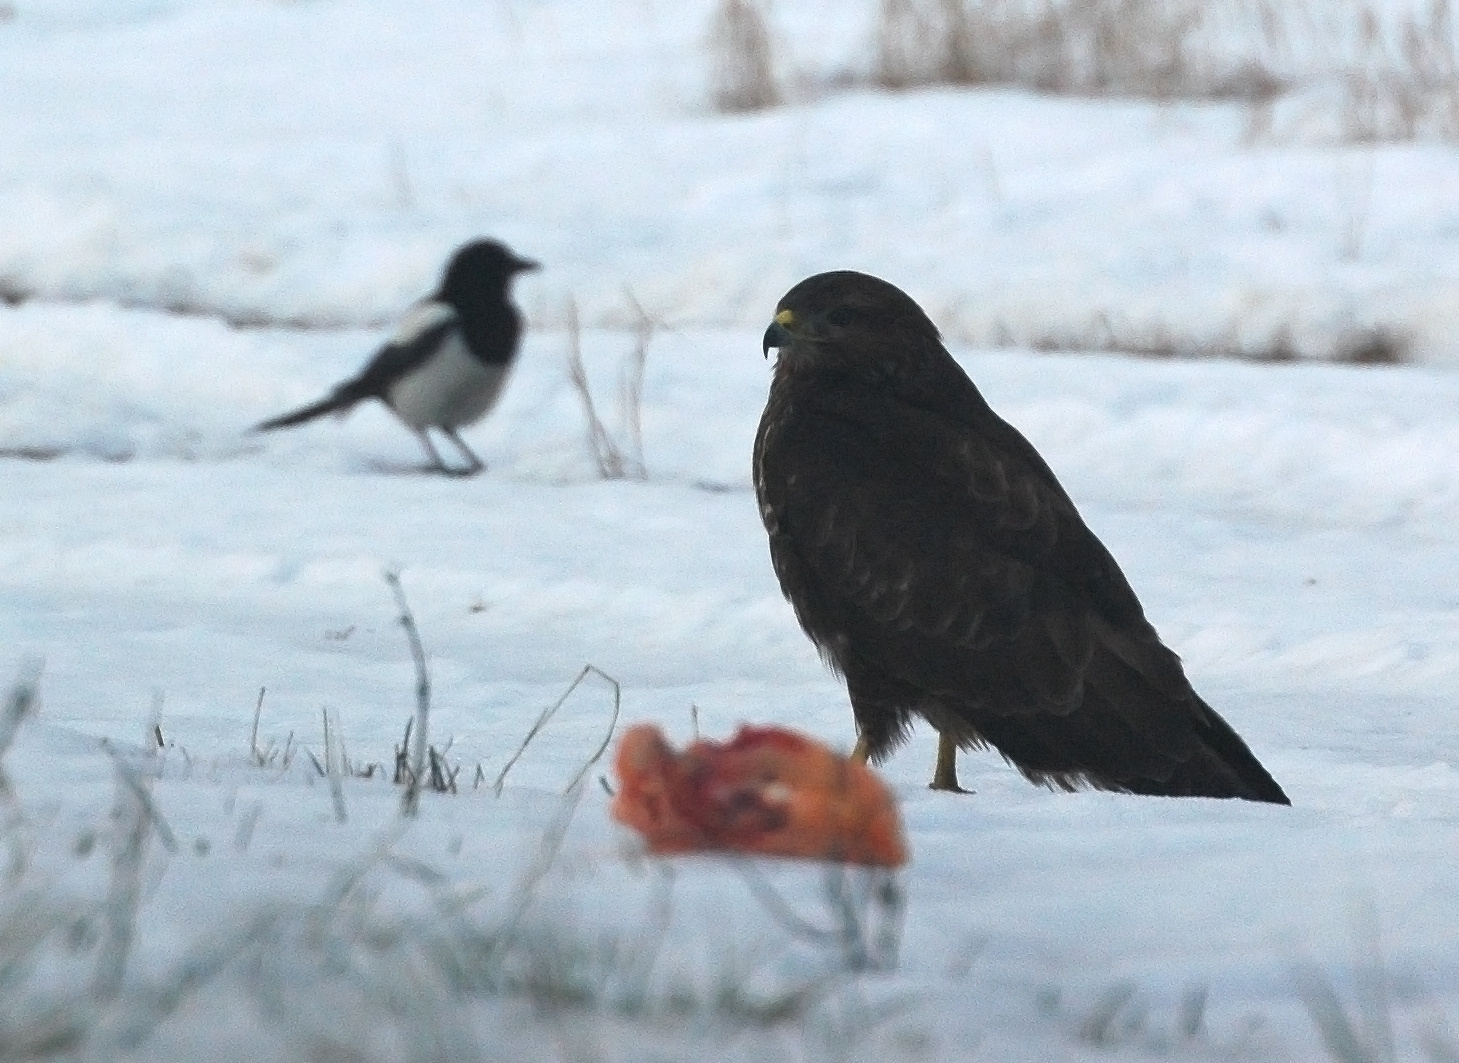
column 473, row 464
column 436, row 465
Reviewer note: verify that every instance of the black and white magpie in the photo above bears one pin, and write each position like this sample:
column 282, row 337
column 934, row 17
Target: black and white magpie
column 445, row 366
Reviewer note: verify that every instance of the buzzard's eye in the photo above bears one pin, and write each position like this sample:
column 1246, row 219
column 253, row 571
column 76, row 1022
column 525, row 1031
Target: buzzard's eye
column 842, row 315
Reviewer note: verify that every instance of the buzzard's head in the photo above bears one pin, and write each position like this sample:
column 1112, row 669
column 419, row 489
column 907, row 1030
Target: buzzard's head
column 847, row 317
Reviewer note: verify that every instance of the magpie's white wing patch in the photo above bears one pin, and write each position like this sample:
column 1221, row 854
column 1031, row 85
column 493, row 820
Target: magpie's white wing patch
column 420, row 319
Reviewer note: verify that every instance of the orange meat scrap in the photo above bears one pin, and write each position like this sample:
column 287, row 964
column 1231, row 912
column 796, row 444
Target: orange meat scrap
column 767, row 791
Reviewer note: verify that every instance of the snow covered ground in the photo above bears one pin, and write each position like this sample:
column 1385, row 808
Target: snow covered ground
column 313, row 162
column 1288, row 528
column 171, row 167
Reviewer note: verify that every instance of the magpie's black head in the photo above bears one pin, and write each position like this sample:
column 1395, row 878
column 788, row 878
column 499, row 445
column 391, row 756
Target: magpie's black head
column 478, row 268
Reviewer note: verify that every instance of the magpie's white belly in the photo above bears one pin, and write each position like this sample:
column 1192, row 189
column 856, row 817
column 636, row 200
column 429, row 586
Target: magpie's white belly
column 449, row 390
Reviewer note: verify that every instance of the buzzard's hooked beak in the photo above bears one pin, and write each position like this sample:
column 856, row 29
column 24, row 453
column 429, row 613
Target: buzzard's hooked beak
column 777, row 335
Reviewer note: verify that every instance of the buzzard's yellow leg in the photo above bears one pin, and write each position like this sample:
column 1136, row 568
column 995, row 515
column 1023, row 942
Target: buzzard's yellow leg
column 859, row 754
column 944, row 776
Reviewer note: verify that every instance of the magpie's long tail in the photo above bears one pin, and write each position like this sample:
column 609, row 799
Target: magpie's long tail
column 340, row 400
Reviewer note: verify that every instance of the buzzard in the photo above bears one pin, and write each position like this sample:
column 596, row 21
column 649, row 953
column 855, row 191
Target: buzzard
column 937, row 564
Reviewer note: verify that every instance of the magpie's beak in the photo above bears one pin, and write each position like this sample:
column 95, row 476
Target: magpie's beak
column 524, row 265
column 778, row 335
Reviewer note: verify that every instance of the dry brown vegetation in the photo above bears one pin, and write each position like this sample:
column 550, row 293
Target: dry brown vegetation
column 1149, row 48
column 743, row 73
column 1405, row 81
column 1372, row 72
column 617, row 455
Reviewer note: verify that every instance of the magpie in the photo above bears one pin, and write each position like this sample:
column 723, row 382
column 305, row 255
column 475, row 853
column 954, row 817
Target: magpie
column 445, row 366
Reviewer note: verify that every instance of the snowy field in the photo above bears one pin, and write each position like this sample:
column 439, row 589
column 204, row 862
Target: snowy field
column 1288, row 528
column 212, row 209
column 312, row 162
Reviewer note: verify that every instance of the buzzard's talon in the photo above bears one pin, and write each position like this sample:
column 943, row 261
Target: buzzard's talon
column 944, row 775
column 946, row 787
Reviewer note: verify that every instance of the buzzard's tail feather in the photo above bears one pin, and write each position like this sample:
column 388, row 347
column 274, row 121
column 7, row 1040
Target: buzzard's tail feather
column 1224, row 746
column 1174, row 744
column 342, row 399
column 1088, row 749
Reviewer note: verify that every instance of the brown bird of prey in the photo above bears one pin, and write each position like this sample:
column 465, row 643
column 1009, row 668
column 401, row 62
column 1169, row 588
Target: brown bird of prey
column 938, row 565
